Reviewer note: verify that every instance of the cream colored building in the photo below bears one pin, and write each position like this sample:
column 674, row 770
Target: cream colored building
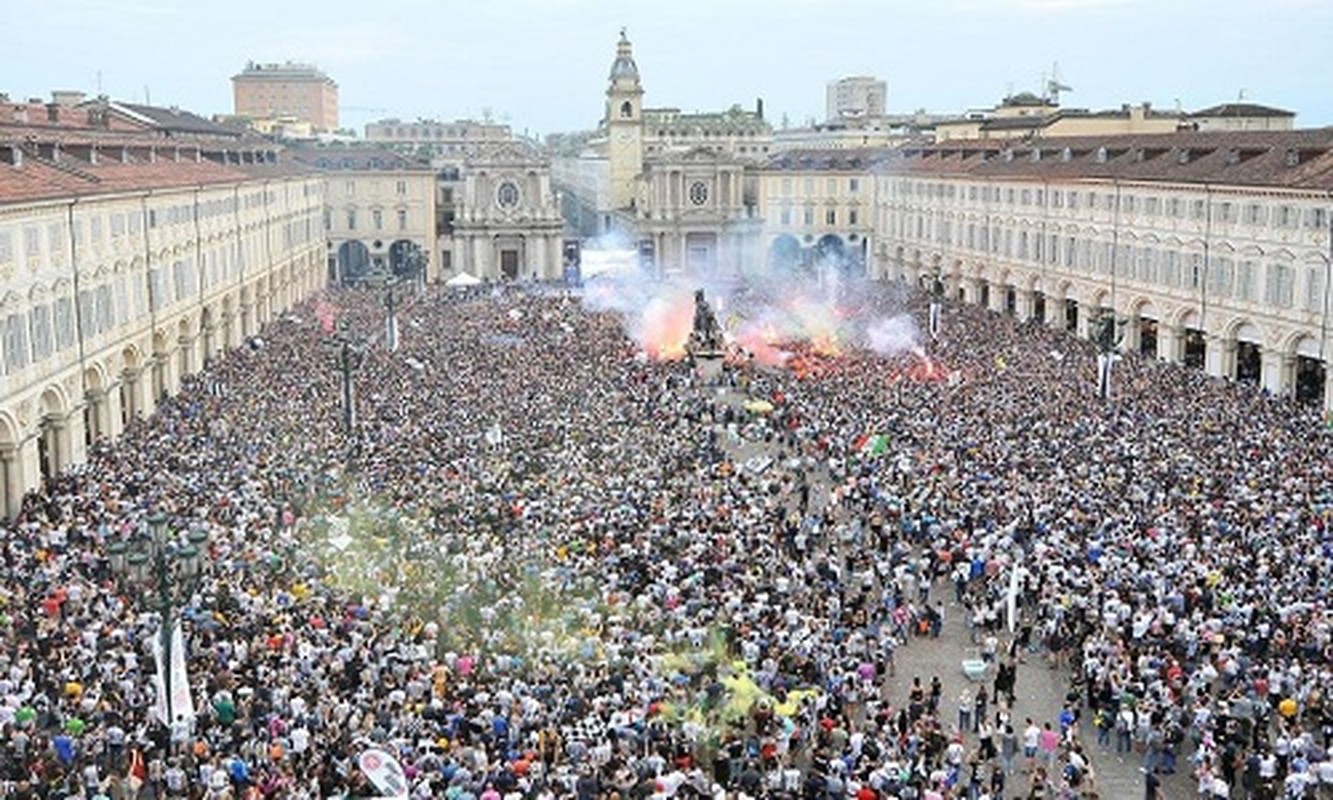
column 1242, row 117
column 856, row 97
column 429, row 137
column 818, row 208
column 378, row 207
column 128, row 260
column 1215, row 247
column 1026, row 116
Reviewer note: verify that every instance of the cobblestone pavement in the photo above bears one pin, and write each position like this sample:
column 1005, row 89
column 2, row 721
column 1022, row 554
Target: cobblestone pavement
column 1040, row 692
column 1039, row 689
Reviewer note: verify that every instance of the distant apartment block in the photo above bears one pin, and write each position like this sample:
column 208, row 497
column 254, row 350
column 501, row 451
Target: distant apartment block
column 299, row 92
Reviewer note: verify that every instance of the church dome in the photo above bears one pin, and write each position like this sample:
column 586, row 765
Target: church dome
column 624, row 66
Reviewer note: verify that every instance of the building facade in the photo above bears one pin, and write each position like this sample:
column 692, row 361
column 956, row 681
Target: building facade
column 299, row 92
column 1242, row 117
column 379, row 210
column 1026, row 116
column 429, row 138
column 818, row 209
column 507, row 225
column 686, row 200
column 857, row 97
column 1214, row 248
column 129, row 258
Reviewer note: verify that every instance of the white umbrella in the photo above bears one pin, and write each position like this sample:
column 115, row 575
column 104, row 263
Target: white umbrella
column 463, row 279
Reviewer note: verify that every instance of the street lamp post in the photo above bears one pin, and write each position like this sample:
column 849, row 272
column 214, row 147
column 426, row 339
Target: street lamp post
column 170, row 563
column 390, row 283
column 350, row 349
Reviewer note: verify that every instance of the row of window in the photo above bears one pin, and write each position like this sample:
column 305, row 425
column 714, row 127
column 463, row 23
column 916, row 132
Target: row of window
column 1225, row 277
column 1198, row 209
column 830, row 186
column 400, row 188
column 376, row 219
column 808, row 216
column 95, row 228
column 49, row 327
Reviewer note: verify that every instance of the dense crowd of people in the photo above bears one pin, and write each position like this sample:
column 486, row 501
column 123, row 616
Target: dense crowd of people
column 618, row 578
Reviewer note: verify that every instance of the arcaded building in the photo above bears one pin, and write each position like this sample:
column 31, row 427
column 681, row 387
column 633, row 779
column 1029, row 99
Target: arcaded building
column 135, row 244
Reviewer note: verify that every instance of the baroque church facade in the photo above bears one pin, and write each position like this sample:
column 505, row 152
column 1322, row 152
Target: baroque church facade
column 691, row 208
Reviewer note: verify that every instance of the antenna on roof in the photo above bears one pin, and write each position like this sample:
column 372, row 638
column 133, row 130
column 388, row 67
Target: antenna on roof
column 147, row 96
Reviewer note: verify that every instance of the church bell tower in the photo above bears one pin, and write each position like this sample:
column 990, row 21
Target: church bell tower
column 624, row 125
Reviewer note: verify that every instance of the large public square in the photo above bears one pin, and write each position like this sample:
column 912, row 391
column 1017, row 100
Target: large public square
column 550, row 559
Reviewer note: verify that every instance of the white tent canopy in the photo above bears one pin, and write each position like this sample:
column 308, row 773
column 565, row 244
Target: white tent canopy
column 463, row 279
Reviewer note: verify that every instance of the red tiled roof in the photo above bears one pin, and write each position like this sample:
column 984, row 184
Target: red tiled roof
column 39, row 179
column 1301, row 159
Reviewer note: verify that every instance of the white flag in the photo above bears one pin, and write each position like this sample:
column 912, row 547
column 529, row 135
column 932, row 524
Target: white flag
column 182, row 703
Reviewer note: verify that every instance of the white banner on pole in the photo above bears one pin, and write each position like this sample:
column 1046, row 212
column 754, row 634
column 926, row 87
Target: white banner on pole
column 182, row 703
column 385, row 772
column 1011, row 601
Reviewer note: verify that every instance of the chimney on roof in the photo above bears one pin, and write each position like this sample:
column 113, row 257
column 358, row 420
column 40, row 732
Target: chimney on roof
column 759, row 107
column 67, row 97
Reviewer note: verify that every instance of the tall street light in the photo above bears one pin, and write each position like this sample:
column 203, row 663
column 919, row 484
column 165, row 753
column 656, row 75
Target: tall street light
column 350, row 350
column 390, row 283
column 163, row 566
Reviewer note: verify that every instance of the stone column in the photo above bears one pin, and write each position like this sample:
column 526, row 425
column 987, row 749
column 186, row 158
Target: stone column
column 971, row 289
column 1054, row 312
column 110, row 424
column 1133, row 335
column 1277, row 371
column 539, row 247
column 75, row 438
column 997, row 297
column 1084, row 328
column 11, row 478
column 479, row 265
column 1220, row 360
column 1023, row 305
column 188, row 356
column 1170, row 343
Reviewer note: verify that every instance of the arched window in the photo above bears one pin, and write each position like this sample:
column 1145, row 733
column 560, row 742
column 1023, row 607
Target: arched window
column 626, row 110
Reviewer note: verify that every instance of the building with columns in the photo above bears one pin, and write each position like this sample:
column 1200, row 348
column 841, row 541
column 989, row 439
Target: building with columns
column 689, row 207
column 130, row 255
column 507, row 225
column 1216, row 248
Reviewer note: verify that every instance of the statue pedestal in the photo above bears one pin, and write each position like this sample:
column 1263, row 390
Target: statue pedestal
column 709, row 367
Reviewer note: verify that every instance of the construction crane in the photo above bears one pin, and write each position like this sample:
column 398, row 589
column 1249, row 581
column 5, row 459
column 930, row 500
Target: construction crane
column 1054, row 85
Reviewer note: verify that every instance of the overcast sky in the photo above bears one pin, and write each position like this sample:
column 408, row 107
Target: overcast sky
column 541, row 65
